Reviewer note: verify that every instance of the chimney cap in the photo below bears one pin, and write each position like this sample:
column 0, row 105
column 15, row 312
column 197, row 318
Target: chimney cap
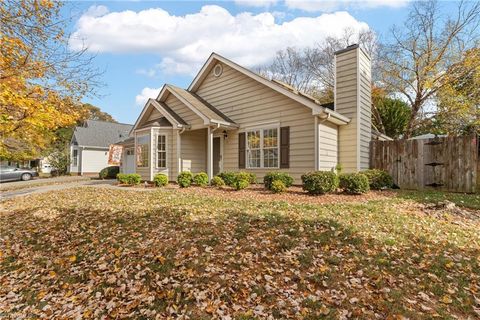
column 350, row 47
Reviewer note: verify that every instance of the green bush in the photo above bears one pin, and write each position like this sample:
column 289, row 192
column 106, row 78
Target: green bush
column 201, row 179
column 109, row 172
column 275, row 175
column 229, row 178
column 130, row 178
column 217, row 182
column 160, row 180
column 378, row 179
column 241, row 184
column 354, row 183
column 320, row 182
column 277, row 186
column 185, row 179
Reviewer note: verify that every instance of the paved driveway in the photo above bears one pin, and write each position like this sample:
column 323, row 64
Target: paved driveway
column 52, row 187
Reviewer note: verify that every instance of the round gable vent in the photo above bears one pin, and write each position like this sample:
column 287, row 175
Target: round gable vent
column 217, row 70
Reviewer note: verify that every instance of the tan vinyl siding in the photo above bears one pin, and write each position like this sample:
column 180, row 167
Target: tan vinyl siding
column 183, row 111
column 154, row 114
column 252, row 104
column 328, row 146
column 194, row 150
column 353, row 100
column 346, row 104
column 365, row 110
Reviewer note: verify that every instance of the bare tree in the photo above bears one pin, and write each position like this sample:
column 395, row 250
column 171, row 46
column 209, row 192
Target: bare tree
column 415, row 60
column 312, row 69
column 289, row 67
column 320, row 60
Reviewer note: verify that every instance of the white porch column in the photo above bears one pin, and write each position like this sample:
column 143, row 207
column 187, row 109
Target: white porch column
column 210, row 153
column 179, row 154
column 317, row 154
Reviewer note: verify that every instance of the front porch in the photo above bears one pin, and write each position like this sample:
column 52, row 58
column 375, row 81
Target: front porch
column 202, row 150
column 178, row 132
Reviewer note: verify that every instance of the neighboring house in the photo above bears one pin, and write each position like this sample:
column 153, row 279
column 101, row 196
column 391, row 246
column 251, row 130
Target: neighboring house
column 232, row 119
column 40, row 164
column 90, row 145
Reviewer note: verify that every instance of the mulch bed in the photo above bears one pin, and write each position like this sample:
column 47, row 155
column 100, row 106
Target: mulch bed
column 294, row 194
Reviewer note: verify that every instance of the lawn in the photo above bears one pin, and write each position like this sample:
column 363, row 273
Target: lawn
column 201, row 254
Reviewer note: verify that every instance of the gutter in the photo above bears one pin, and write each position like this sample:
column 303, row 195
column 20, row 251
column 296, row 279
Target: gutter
column 333, row 116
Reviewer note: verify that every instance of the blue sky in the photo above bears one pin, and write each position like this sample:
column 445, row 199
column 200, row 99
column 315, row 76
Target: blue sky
column 143, row 44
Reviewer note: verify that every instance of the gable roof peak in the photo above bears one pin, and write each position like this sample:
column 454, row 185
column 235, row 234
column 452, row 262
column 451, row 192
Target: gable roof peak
column 302, row 98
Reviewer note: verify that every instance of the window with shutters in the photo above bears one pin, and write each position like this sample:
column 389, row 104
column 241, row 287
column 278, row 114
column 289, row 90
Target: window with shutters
column 262, row 148
column 161, row 151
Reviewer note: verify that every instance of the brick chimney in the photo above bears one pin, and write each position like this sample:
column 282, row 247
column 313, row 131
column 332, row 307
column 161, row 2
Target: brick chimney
column 353, row 99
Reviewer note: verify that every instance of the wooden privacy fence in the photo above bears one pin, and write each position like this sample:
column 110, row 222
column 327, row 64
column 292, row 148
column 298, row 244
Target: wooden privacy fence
column 447, row 163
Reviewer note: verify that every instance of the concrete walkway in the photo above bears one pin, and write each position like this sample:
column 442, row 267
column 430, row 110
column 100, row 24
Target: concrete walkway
column 4, row 195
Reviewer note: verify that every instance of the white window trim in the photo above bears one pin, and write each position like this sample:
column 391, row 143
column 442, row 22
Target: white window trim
column 166, row 152
column 262, row 128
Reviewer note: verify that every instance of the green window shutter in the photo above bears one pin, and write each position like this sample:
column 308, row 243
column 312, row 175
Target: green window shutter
column 285, row 147
column 241, row 150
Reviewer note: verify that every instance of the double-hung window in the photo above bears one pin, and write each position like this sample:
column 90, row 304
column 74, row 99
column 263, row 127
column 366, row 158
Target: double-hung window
column 262, row 148
column 161, row 151
column 143, row 143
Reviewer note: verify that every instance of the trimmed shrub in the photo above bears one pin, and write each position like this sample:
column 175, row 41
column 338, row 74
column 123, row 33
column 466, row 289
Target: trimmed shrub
column 378, row 179
column 185, row 179
column 160, row 180
column 130, row 178
column 241, row 184
column 217, row 182
column 109, row 172
column 229, row 178
column 250, row 177
column 320, row 182
column 338, row 168
column 354, row 183
column 275, row 175
column 201, row 179
column 277, row 186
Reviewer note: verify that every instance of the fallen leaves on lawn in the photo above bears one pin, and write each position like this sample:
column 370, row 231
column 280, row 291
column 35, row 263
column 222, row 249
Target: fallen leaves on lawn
column 103, row 253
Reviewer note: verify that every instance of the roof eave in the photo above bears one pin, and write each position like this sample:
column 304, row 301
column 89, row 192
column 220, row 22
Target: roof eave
column 224, row 123
column 332, row 116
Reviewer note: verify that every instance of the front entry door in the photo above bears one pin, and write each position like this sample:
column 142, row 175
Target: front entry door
column 217, row 156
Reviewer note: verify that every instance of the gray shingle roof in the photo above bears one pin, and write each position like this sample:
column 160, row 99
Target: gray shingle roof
column 100, row 133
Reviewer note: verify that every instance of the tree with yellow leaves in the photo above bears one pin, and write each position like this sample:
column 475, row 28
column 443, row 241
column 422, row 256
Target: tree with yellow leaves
column 415, row 62
column 459, row 99
column 41, row 80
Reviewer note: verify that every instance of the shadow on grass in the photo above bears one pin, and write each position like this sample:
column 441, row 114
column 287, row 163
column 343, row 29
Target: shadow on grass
column 471, row 201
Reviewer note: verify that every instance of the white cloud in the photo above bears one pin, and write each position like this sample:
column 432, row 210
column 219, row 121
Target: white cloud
column 256, row 3
column 185, row 42
column 146, row 94
column 330, row 6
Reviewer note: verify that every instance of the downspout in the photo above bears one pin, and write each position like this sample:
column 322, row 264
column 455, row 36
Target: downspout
column 179, row 150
